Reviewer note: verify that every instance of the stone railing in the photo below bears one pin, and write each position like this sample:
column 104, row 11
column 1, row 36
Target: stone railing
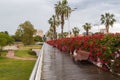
column 37, row 70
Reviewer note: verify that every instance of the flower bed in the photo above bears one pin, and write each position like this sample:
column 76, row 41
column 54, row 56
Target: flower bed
column 103, row 49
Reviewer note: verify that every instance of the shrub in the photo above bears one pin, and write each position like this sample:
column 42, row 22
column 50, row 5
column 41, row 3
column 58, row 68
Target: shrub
column 100, row 46
column 32, row 52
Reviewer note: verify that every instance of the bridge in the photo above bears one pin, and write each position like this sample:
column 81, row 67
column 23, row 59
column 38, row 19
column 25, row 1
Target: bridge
column 53, row 64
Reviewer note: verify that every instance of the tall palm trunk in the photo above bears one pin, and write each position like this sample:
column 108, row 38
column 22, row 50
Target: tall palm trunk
column 75, row 34
column 107, row 29
column 54, row 32
column 54, row 27
column 87, row 32
column 62, row 24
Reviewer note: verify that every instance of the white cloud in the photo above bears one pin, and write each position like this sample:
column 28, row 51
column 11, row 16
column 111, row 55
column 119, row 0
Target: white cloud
column 115, row 28
column 75, row 1
column 15, row 12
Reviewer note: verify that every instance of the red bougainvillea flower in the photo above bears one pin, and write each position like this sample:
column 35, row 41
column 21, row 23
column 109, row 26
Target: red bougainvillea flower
column 105, row 47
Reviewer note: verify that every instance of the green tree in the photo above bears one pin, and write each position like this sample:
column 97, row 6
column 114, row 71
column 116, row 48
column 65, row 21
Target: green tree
column 107, row 19
column 59, row 35
column 76, row 31
column 38, row 39
column 63, row 12
column 50, row 33
column 16, row 38
column 18, row 35
column 5, row 32
column 87, row 27
column 26, row 31
column 54, row 22
column 5, row 39
column 65, row 34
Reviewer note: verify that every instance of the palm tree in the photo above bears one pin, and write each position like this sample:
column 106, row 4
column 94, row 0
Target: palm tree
column 54, row 22
column 65, row 34
column 76, row 31
column 107, row 19
column 87, row 27
column 50, row 33
column 62, row 11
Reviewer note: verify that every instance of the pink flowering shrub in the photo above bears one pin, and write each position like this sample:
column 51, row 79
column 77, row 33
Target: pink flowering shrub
column 105, row 47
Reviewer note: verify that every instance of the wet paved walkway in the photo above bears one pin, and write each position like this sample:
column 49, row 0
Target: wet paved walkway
column 59, row 66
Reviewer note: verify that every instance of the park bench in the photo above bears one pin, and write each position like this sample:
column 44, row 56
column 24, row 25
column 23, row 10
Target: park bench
column 79, row 55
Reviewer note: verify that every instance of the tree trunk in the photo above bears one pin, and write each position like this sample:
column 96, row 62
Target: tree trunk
column 55, row 34
column 54, row 28
column 107, row 29
column 86, row 32
column 62, row 24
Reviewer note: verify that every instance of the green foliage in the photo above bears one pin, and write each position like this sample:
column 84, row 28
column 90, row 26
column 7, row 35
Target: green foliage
column 65, row 34
column 87, row 27
column 32, row 53
column 25, row 32
column 54, row 22
column 3, row 42
column 107, row 19
column 38, row 39
column 3, row 52
column 62, row 11
column 5, row 39
column 112, row 41
column 5, row 32
column 17, row 38
column 59, row 35
column 76, row 31
column 50, row 33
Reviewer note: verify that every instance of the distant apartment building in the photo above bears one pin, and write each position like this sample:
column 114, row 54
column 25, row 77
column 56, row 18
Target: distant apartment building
column 89, row 33
column 39, row 33
column 103, row 31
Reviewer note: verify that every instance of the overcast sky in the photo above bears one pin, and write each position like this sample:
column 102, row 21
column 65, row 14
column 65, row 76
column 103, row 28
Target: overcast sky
column 15, row 12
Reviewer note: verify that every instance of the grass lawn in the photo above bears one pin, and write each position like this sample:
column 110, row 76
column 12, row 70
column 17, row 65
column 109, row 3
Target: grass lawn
column 11, row 69
column 30, row 47
column 24, row 54
column 3, row 53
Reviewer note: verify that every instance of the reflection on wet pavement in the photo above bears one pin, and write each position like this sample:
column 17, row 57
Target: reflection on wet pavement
column 59, row 66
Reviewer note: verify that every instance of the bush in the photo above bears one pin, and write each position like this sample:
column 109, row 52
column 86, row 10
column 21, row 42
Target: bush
column 32, row 52
column 105, row 47
column 38, row 39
